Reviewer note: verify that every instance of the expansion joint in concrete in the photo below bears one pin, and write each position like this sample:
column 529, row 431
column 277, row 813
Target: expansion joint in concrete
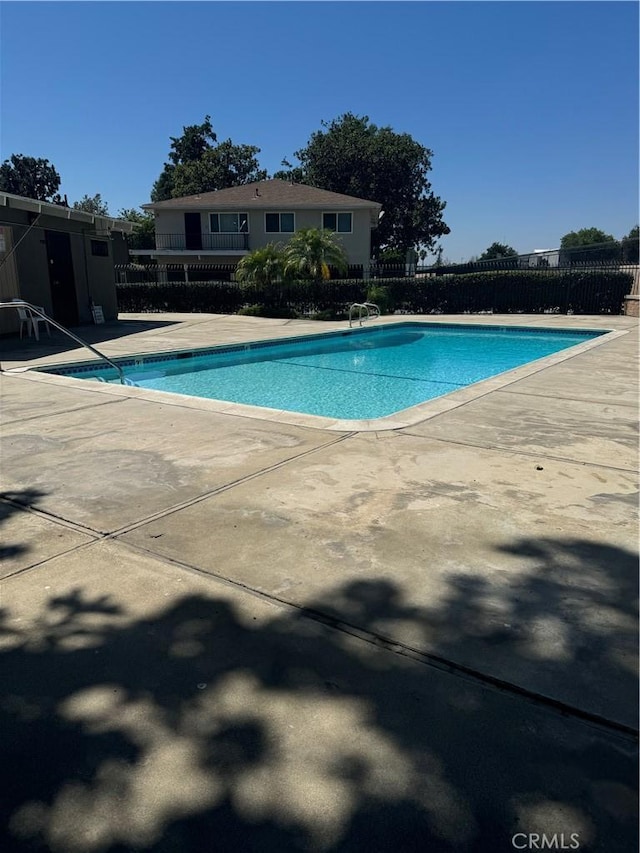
column 223, row 488
column 395, row 647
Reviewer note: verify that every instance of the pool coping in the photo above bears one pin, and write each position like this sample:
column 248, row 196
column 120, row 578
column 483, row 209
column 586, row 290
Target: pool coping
column 398, row 420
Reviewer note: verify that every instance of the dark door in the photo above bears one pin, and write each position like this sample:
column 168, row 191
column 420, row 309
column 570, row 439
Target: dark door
column 192, row 231
column 61, row 278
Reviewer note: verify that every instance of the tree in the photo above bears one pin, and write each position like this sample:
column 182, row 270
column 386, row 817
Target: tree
column 631, row 246
column 143, row 235
column 163, row 187
column 390, row 256
column 199, row 164
column 92, row 204
column 310, row 253
column 585, row 237
column 590, row 244
column 30, row 177
column 291, row 173
column 193, row 142
column 226, row 165
column 353, row 156
column 498, row 250
column 264, row 266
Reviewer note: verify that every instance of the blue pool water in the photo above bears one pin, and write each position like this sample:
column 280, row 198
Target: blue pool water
column 361, row 373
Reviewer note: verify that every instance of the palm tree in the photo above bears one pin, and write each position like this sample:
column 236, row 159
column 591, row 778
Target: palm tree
column 263, row 267
column 311, row 251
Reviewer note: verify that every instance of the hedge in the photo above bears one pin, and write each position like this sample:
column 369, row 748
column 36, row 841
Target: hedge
column 530, row 292
column 194, row 298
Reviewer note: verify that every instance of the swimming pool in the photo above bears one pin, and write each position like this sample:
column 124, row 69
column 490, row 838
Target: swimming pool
column 362, row 373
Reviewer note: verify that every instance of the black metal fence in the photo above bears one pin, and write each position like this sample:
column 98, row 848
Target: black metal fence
column 192, row 272
column 164, row 273
column 621, row 252
column 210, row 289
column 537, row 262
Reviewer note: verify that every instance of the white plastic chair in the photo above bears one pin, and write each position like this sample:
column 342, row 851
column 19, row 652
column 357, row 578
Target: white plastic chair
column 31, row 321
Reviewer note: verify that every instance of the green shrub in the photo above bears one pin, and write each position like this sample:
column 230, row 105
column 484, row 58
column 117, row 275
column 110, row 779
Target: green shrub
column 252, row 311
column 512, row 292
column 194, row 297
column 599, row 291
column 381, row 297
column 329, row 314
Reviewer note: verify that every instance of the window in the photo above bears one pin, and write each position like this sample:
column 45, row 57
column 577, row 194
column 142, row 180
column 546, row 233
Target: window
column 229, row 223
column 100, row 248
column 340, row 222
column 279, row 223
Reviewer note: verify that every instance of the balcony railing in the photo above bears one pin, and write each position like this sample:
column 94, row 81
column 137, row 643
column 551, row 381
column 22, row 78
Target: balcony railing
column 202, row 242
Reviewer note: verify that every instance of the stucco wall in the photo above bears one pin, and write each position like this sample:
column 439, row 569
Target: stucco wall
column 357, row 244
column 32, row 265
column 100, row 286
column 9, row 287
column 93, row 275
column 172, row 222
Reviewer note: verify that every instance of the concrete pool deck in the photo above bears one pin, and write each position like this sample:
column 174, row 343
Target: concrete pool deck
column 286, row 637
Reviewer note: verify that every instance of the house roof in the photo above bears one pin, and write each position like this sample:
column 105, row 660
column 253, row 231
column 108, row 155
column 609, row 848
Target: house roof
column 107, row 223
column 273, row 194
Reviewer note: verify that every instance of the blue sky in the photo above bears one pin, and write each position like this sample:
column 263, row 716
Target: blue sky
column 530, row 109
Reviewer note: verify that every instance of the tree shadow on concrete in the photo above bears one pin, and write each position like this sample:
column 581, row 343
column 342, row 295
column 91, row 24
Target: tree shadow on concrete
column 568, row 616
column 9, row 506
column 202, row 726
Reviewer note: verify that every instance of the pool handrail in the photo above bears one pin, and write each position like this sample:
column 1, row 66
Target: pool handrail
column 367, row 306
column 19, row 303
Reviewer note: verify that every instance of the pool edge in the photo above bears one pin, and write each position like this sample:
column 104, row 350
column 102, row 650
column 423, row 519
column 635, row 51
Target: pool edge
column 398, row 420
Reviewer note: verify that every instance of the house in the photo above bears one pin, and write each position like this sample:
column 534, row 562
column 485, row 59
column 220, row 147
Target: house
column 220, row 227
column 544, row 258
column 58, row 258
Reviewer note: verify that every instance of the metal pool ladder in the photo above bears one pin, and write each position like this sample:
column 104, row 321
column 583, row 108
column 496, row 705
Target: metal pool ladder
column 39, row 313
column 367, row 307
